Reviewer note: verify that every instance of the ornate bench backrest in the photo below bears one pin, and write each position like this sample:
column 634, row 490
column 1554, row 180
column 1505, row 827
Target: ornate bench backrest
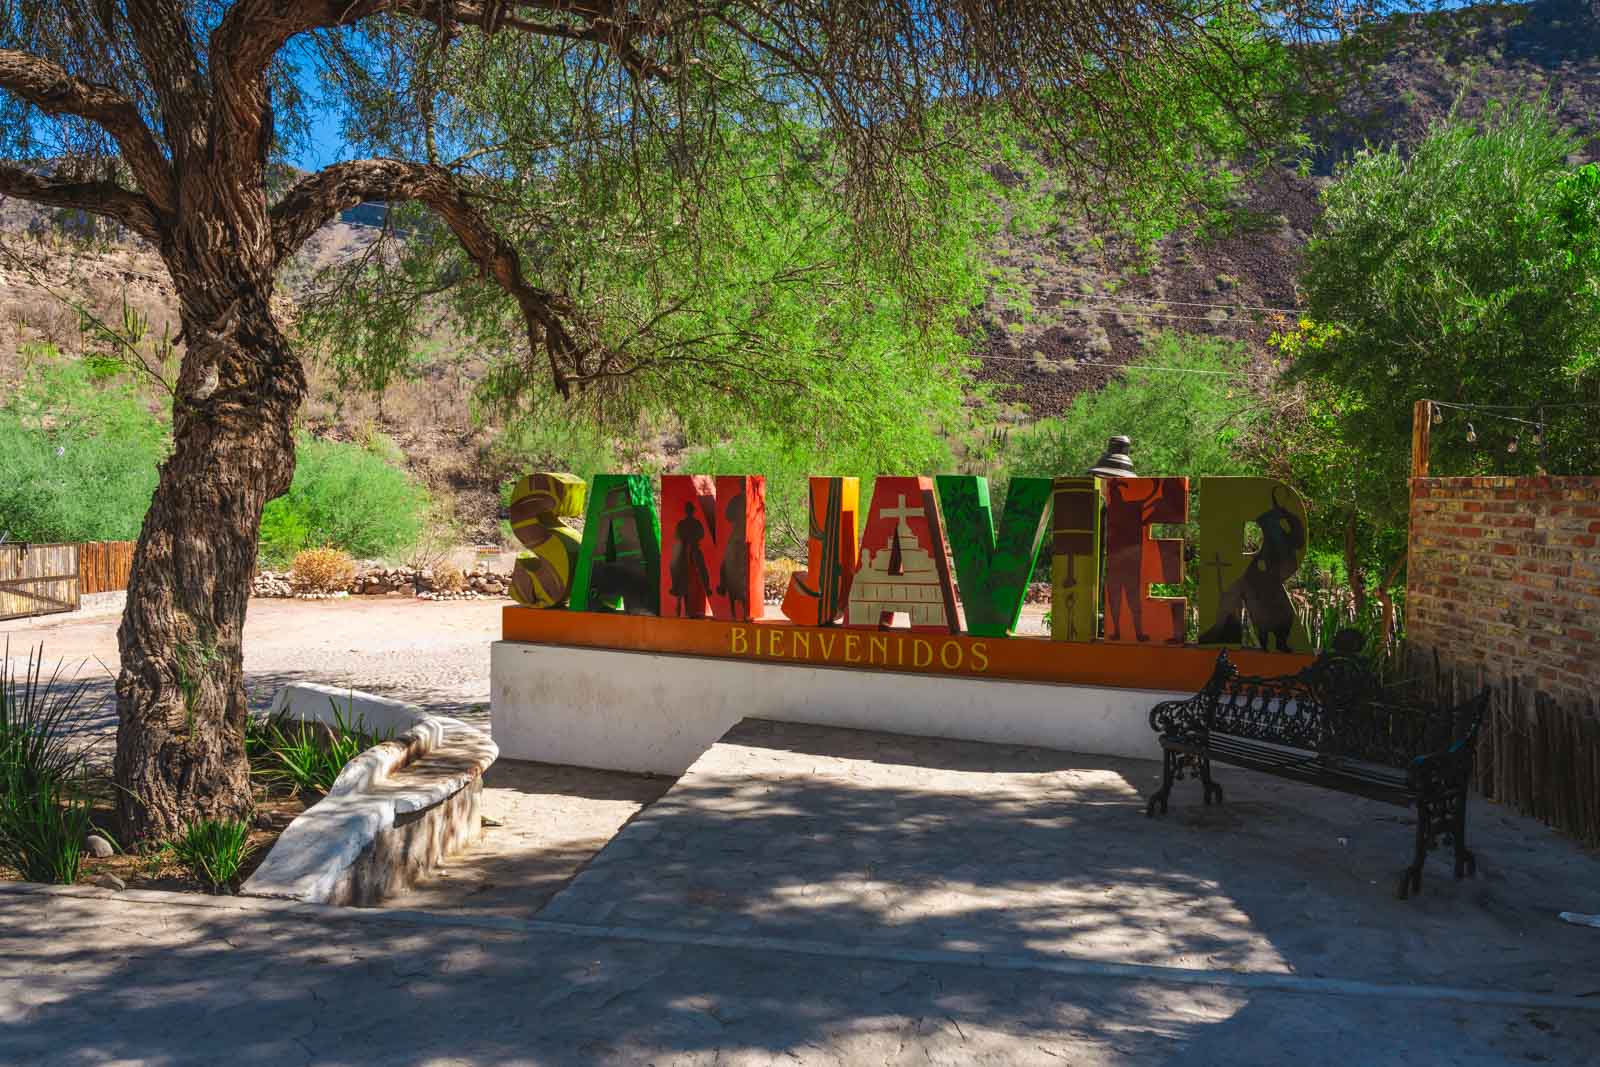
column 1286, row 710
column 1336, row 707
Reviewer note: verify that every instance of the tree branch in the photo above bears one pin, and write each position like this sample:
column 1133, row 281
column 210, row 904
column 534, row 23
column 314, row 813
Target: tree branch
column 99, row 198
column 52, row 90
column 317, row 199
column 161, row 31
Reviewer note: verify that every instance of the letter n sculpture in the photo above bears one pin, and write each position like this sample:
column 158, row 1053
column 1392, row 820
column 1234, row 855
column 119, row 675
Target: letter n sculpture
column 539, row 502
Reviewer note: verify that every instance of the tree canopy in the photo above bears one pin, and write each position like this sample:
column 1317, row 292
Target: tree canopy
column 1467, row 272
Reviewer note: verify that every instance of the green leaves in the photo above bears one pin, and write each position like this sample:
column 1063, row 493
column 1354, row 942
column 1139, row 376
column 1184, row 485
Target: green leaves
column 79, row 451
column 343, row 496
column 1468, row 271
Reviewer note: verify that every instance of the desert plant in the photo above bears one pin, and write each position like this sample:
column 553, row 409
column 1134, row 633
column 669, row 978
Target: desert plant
column 44, row 814
column 42, row 831
column 322, row 570
column 213, row 850
column 775, row 576
column 308, row 756
column 345, row 496
column 37, row 747
column 448, row 578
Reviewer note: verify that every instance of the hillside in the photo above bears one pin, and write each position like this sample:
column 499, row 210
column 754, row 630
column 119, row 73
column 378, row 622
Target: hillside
column 1062, row 314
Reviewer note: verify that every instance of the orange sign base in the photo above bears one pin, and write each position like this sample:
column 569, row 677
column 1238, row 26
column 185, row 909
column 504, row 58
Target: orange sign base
column 1182, row 668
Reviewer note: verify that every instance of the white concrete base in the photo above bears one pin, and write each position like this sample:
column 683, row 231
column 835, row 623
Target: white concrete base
column 648, row 712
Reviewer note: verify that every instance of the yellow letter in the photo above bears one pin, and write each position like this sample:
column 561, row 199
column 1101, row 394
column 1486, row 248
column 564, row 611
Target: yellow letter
column 739, row 639
column 980, row 656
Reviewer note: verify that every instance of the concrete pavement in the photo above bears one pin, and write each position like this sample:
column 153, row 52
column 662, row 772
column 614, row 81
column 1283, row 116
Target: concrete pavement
column 88, row 977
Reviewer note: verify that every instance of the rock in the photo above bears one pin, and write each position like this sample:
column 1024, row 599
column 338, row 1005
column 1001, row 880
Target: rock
column 108, row 881
column 97, row 846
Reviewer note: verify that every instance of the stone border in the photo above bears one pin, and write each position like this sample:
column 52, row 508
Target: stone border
column 394, row 812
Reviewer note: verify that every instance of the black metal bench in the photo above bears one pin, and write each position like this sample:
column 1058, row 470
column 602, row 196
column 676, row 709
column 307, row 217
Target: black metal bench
column 1330, row 725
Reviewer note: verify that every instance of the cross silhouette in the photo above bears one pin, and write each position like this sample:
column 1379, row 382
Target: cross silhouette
column 903, row 512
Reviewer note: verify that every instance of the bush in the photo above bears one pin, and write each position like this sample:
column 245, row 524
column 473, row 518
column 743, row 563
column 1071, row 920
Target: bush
column 322, row 570
column 79, row 452
column 347, row 497
column 1186, row 407
column 447, row 578
column 213, row 850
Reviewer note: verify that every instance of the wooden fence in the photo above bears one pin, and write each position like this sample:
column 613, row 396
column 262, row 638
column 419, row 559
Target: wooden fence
column 1535, row 754
column 103, row 565
column 38, row 580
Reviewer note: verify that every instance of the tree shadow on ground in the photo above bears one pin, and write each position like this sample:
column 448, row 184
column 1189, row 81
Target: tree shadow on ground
column 880, row 846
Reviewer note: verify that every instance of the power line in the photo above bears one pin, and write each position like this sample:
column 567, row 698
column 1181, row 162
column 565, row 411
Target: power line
column 1112, row 299
column 1072, row 364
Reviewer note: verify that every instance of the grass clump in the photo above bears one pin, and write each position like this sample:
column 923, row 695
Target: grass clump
column 213, row 850
column 45, row 813
column 308, row 756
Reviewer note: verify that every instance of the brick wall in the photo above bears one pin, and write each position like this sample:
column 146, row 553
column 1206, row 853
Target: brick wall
column 1504, row 575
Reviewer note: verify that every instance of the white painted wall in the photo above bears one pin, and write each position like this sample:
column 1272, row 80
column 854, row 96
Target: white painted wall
column 641, row 711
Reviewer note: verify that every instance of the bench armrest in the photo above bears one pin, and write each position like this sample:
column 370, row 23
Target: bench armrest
column 1183, row 718
column 1451, row 766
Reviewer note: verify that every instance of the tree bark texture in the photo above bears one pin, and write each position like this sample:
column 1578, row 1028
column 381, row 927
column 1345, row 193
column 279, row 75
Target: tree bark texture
column 180, row 697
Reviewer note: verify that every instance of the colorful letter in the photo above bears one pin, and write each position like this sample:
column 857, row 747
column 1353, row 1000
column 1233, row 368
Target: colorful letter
column 903, row 563
column 619, row 563
column 817, row 598
column 715, row 544
column 1075, row 560
column 1234, row 582
column 1134, row 559
column 538, row 504
column 993, row 572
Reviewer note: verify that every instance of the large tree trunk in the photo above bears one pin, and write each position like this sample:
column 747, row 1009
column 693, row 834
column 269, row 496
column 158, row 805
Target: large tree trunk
column 180, row 696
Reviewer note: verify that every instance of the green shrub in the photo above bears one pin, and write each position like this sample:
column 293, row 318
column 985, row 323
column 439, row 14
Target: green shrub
column 1185, row 405
column 36, row 712
column 343, row 496
column 213, row 850
column 79, row 452
column 308, row 756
